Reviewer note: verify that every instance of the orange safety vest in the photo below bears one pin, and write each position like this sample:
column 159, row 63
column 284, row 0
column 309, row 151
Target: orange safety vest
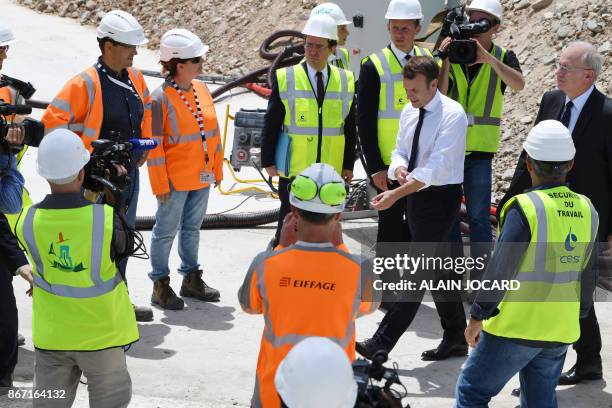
column 78, row 106
column 5, row 94
column 179, row 157
column 303, row 290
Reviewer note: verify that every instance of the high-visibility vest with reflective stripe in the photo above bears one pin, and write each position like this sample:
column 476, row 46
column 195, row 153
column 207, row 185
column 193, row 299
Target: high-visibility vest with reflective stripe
column 179, row 156
column 302, row 291
column 547, row 306
column 392, row 97
column 302, row 116
column 342, row 58
column 485, row 103
column 8, row 96
column 79, row 106
column 80, row 301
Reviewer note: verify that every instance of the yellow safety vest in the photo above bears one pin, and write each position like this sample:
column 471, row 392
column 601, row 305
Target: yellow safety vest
column 483, row 100
column 392, row 97
column 317, row 135
column 547, row 306
column 80, row 301
column 343, row 59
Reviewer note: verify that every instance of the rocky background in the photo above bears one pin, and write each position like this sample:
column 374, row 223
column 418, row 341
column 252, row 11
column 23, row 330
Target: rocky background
column 536, row 30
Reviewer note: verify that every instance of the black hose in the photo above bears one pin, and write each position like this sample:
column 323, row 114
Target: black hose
column 214, row 221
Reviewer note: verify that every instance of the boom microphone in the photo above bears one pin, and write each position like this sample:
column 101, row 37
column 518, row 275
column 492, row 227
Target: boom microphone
column 142, row 144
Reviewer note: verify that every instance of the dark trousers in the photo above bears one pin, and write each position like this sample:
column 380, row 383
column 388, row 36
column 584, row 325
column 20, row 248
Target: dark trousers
column 8, row 328
column 430, row 215
column 588, row 346
column 392, row 225
column 285, row 208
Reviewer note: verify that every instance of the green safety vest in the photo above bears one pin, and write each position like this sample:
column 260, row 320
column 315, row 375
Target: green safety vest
column 343, row 59
column 485, row 104
column 392, row 97
column 80, row 301
column 563, row 228
column 309, row 144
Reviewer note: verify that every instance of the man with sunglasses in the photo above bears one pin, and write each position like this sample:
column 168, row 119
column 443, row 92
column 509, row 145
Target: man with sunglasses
column 310, row 285
column 312, row 102
column 480, row 88
column 587, row 113
column 110, row 100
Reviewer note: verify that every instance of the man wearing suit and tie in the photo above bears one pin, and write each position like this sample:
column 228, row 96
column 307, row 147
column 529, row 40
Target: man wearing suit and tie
column 587, row 113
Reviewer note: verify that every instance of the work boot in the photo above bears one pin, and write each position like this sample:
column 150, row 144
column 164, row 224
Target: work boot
column 164, row 296
column 143, row 313
column 193, row 286
column 20, row 339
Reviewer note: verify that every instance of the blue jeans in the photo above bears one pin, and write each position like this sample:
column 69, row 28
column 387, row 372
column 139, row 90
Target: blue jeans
column 184, row 210
column 495, row 360
column 130, row 195
column 477, row 191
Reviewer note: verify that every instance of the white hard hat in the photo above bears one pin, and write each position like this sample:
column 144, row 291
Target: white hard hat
column 121, row 27
column 318, row 189
column 321, row 25
column 332, row 10
column 550, row 141
column 492, row 7
column 181, row 43
column 316, row 373
column 404, row 10
column 61, row 155
column 6, row 35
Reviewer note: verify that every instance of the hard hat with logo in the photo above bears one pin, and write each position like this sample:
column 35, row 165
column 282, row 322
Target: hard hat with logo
column 6, row 35
column 318, row 189
column 181, row 43
column 332, row 10
column 321, row 25
column 404, row 10
column 316, row 373
column 121, row 27
column 550, row 141
column 61, row 155
column 492, row 7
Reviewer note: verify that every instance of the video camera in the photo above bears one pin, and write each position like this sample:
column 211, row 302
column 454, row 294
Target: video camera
column 33, row 130
column 375, row 396
column 462, row 49
column 101, row 173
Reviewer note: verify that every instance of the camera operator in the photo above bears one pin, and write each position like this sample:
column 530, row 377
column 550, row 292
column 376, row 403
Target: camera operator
column 12, row 260
column 316, row 373
column 15, row 131
column 109, row 100
column 480, row 88
column 81, row 316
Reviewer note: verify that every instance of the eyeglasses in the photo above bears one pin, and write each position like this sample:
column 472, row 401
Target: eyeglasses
column 195, row 60
column 565, row 69
column 316, row 47
column 306, row 189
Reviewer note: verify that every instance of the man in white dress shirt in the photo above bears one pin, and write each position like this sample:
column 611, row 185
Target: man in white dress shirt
column 428, row 164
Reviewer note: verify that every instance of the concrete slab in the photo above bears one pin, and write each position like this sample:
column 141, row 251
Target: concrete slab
column 205, row 355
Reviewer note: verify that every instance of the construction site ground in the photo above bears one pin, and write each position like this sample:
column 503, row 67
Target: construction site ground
column 205, row 355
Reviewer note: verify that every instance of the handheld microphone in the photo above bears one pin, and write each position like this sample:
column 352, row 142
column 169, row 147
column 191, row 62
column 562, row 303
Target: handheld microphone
column 142, row 144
